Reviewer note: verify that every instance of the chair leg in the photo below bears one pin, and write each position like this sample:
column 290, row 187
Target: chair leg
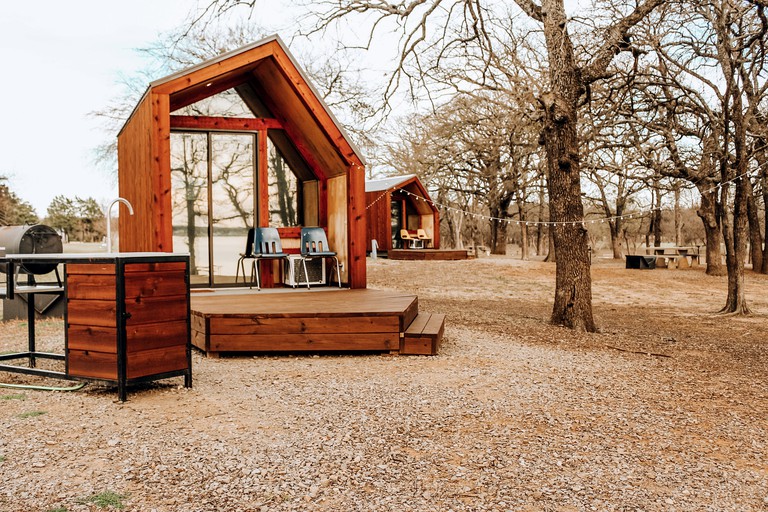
column 237, row 270
column 257, row 268
column 306, row 274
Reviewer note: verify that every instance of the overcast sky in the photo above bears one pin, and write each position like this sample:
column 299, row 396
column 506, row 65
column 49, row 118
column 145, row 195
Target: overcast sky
column 62, row 61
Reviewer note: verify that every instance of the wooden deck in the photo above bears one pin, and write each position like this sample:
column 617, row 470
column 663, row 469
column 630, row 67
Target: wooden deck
column 427, row 254
column 303, row 321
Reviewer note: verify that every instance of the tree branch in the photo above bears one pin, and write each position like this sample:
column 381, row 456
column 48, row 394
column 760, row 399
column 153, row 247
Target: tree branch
column 614, row 38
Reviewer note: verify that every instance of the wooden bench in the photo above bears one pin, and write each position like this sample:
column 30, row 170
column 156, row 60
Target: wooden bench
column 424, row 335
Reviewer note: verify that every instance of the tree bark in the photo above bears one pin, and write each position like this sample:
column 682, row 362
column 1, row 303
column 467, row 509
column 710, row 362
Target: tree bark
column 657, row 216
column 524, row 238
column 736, row 252
column 755, row 236
column 498, row 234
column 709, row 214
column 573, row 281
column 542, row 238
column 551, row 258
column 524, row 253
column 614, row 226
column 678, row 219
column 762, row 161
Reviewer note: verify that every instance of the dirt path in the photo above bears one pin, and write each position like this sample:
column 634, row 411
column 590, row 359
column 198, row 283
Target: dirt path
column 514, row 414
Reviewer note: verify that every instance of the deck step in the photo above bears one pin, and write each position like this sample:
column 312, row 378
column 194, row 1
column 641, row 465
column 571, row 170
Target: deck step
column 424, row 334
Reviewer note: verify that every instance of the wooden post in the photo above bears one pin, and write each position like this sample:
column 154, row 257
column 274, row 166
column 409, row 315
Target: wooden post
column 356, row 225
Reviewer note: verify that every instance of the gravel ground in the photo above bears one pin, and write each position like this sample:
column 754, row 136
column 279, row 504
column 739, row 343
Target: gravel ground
column 664, row 409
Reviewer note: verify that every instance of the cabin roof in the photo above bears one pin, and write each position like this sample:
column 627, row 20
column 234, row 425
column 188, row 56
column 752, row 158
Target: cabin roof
column 410, row 184
column 271, row 83
column 382, row 184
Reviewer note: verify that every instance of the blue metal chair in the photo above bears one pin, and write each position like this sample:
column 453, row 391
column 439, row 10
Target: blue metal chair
column 247, row 255
column 314, row 244
column 266, row 246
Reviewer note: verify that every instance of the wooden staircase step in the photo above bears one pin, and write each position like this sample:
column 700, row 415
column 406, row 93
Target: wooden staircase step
column 424, row 335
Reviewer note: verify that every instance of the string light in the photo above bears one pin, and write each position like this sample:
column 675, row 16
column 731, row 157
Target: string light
column 474, row 215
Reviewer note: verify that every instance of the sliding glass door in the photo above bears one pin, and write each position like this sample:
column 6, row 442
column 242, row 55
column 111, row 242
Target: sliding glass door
column 213, row 181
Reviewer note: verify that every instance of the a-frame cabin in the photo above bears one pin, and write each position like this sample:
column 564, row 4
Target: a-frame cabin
column 198, row 179
column 399, row 203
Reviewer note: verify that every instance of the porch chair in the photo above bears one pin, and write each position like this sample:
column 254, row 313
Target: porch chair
column 246, row 255
column 406, row 236
column 314, row 244
column 266, row 246
column 423, row 238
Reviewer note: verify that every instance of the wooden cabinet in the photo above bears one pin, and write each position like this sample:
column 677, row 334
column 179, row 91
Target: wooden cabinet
column 128, row 319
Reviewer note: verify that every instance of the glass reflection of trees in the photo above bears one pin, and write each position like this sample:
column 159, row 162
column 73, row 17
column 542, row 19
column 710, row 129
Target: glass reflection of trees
column 283, row 191
column 189, row 185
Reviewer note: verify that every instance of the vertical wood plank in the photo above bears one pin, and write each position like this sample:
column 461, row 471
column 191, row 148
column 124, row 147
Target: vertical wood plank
column 337, row 222
column 135, row 157
column 262, row 171
column 161, row 169
column 355, row 267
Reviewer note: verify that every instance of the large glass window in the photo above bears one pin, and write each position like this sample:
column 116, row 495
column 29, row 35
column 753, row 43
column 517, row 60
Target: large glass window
column 233, row 174
column 283, row 191
column 212, row 183
column 189, row 186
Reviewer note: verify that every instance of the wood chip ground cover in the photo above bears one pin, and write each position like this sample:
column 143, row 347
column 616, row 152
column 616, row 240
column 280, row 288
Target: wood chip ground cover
column 514, row 414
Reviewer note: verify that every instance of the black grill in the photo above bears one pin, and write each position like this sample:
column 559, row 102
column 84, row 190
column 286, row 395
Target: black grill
column 37, row 239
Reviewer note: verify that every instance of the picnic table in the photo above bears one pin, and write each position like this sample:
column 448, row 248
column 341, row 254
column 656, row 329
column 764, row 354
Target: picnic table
column 664, row 257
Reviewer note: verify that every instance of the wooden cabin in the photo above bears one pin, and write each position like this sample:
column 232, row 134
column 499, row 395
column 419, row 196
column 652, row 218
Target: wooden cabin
column 238, row 141
column 398, row 203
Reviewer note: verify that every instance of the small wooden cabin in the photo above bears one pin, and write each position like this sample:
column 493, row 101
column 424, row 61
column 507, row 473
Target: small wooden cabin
column 397, row 203
column 238, row 141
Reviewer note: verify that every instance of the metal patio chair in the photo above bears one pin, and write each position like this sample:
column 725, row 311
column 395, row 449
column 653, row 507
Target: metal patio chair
column 266, row 246
column 314, row 244
column 246, row 255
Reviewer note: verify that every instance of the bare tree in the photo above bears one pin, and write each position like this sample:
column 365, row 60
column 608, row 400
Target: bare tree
column 719, row 77
column 467, row 27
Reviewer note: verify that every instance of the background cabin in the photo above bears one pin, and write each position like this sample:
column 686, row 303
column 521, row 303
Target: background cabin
column 398, row 203
column 238, row 141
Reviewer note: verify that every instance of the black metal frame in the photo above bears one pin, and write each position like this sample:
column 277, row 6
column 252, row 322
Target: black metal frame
column 12, row 260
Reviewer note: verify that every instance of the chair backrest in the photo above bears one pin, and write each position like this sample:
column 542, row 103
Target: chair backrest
column 267, row 241
column 404, row 234
column 421, row 234
column 314, row 241
column 249, row 243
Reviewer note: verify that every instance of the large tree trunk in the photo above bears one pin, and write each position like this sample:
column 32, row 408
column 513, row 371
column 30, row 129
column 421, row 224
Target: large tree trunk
column 498, row 234
column 762, row 162
column 678, row 219
column 709, row 214
column 524, row 238
column 551, row 258
column 755, row 236
column 657, row 217
column 614, row 226
column 737, row 236
column 458, row 220
column 573, row 281
column 524, row 254
column 542, row 237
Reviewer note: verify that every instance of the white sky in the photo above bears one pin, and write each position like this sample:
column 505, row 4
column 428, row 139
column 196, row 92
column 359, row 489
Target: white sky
column 61, row 61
